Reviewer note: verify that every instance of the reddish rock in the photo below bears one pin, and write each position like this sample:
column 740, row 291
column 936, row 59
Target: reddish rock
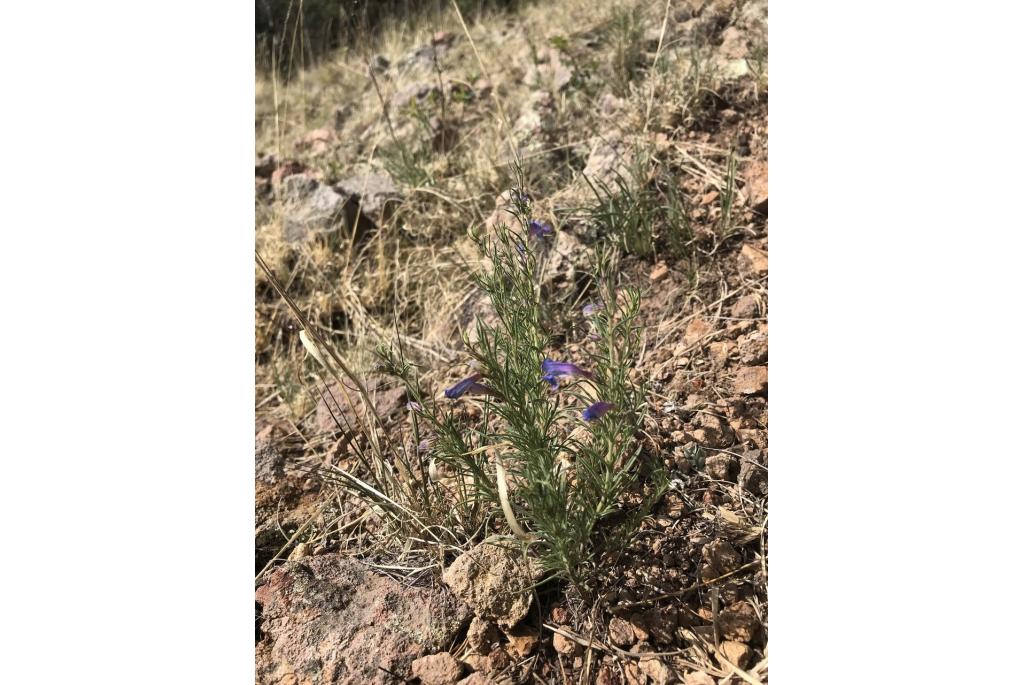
column 751, row 380
column 695, row 331
column 756, row 176
column 563, row 645
column 747, row 307
column 328, row 619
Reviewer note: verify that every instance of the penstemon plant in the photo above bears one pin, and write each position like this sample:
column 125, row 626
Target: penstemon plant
column 557, row 446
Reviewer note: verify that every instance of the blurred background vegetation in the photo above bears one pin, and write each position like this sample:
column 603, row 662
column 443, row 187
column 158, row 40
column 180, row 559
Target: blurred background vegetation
column 297, row 33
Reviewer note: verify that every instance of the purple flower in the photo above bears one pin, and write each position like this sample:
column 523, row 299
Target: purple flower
column 539, row 229
column 414, row 406
column 424, row 446
column 591, row 309
column 472, row 386
column 457, row 390
column 597, row 410
column 550, row 368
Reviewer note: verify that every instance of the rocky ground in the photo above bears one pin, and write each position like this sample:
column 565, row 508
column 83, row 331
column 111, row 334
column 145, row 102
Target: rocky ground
column 372, row 167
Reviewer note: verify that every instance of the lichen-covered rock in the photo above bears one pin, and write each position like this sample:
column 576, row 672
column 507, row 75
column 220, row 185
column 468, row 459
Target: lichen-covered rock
column 328, row 619
column 495, row 581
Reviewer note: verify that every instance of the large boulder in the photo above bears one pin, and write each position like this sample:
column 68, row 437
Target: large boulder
column 328, row 619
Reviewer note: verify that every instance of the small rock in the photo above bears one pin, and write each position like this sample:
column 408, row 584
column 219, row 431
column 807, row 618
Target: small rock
column 695, row 330
column 437, row 669
column 476, row 679
column 608, row 675
column 322, row 211
column 564, row 645
column 751, row 380
column 481, row 635
column 753, row 478
column 721, row 351
column 709, row 198
column 734, row 44
column 755, row 258
column 739, row 622
column 620, row 632
column 535, row 120
column 719, row 558
column 476, row 662
column 297, row 187
column 610, row 162
column 698, row 678
column 498, row 660
column 736, row 652
column 756, row 175
column 559, row 615
column 656, row 670
column 634, row 676
column 375, row 193
column 317, row 141
column 301, row 551
column 721, row 466
column 495, row 580
column 745, row 308
column 522, row 641
column 659, row 272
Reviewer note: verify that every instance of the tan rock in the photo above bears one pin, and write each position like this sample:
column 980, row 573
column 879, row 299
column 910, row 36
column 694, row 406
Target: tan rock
column 736, row 652
column 437, row 669
column 620, row 632
column 698, row 678
column 695, row 330
column 756, row 260
column 495, row 580
column 563, row 645
column 656, row 670
column 659, row 271
column 521, row 641
column 751, row 380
